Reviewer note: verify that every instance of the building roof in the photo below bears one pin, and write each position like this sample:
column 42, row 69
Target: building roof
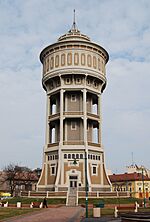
column 74, row 33
column 128, row 177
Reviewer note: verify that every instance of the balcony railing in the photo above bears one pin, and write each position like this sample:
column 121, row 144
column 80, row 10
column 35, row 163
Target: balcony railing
column 72, row 113
column 94, row 144
column 53, row 116
column 53, row 144
column 92, row 115
column 73, row 143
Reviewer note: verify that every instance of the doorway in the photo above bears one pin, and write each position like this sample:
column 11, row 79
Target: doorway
column 73, row 183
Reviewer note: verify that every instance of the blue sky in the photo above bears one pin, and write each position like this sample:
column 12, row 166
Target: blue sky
column 122, row 28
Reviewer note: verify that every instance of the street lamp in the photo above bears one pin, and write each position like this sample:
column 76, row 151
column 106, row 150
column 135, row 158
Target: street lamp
column 86, row 184
column 143, row 189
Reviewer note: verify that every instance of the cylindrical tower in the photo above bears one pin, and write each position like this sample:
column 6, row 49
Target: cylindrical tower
column 74, row 78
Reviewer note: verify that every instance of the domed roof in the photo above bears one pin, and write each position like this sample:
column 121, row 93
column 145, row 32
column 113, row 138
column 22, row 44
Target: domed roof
column 74, row 34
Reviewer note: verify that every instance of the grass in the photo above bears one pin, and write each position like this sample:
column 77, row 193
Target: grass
column 117, row 201
column 11, row 212
column 129, row 200
column 26, row 200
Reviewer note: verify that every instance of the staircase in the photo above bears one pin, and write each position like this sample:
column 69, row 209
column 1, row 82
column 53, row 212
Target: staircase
column 72, row 197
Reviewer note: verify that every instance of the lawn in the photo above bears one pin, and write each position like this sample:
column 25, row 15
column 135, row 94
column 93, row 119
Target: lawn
column 26, row 200
column 129, row 200
column 11, row 212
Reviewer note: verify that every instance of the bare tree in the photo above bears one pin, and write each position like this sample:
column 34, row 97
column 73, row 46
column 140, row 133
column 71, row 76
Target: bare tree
column 15, row 175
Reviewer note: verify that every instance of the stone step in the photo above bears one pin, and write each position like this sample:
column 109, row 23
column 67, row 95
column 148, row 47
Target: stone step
column 71, row 201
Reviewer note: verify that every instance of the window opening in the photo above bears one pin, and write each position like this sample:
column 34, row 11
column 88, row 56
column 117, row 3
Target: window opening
column 53, row 131
column 95, row 135
column 65, row 156
column 81, row 156
column 94, row 170
column 73, row 125
column 73, row 98
column 67, row 80
column 53, row 170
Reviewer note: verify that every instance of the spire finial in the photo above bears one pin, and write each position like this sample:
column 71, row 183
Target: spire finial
column 74, row 26
column 74, row 19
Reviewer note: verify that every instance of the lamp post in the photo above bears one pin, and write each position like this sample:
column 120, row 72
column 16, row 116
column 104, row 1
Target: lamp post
column 143, row 188
column 86, row 184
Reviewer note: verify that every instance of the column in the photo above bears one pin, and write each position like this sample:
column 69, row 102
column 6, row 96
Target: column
column 85, row 137
column 84, row 117
column 60, row 163
column 61, row 115
column 100, row 118
column 47, row 123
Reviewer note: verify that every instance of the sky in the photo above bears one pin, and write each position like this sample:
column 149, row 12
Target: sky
column 122, row 28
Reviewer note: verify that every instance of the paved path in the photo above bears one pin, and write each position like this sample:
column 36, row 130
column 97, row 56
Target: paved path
column 102, row 219
column 61, row 214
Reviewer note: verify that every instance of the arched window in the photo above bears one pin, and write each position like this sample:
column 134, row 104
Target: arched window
column 65, row 156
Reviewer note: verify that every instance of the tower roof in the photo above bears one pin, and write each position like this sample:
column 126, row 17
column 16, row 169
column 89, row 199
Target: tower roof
column 73, row 33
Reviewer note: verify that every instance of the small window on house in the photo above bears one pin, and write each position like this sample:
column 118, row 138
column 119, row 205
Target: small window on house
column 48, row 158
column 89, row 156
column 69, row 156
column 65, row 156
column 130, row 189
column 73, row 125
column 94, row 170
column 93, row 157
column 99, row 157
column 73, row 98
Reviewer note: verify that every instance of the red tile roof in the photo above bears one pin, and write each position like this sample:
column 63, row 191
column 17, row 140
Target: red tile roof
column 127, row 177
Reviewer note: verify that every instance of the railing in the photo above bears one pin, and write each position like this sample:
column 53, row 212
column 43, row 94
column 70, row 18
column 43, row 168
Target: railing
column 72, row 113
column 94, row 144
column 53, row 116
column 73, row 143
column 53, row 144
column 98, row 194
column 95, row 116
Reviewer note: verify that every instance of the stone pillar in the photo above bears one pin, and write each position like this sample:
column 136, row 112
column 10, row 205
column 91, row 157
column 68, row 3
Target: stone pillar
column 60, row 162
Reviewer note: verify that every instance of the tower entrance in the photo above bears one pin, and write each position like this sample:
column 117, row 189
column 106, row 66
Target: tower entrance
column 73, row 181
